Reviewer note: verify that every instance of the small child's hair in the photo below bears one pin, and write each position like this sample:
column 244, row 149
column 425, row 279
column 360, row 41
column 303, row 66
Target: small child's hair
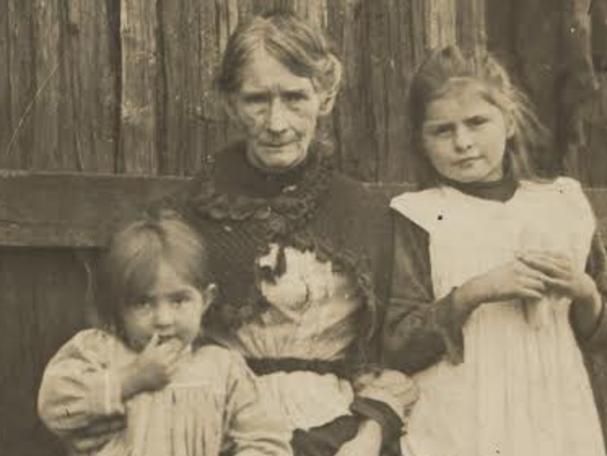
column 447, row 69
column 129, row 266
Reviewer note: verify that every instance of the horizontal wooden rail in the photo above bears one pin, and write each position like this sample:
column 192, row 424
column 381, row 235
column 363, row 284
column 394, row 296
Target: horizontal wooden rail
column 71, row 210
column 80, row 209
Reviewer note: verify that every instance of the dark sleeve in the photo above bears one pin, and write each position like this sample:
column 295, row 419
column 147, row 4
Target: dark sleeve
column 596, row 267
column 418, row 329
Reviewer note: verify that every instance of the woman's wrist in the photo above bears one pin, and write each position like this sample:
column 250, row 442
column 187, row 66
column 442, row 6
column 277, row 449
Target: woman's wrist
column 371, row 426
column 371, row 430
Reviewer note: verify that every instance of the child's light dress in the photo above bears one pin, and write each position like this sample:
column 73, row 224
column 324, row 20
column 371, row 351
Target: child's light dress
column 211, row 402
column 522, row 388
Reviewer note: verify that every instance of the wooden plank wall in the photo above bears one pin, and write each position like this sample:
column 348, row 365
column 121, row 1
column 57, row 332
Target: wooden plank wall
column 557, row 53
column 126, row 86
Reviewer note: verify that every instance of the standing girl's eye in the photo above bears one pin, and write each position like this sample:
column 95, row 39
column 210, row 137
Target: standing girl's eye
column 477, row 121
column 440, row 130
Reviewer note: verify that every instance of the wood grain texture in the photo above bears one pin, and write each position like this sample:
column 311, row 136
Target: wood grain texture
column 21, row 96
column 195, row 124
column 42, row 306
column 141, row 82
column 50, row 148
column 90, row 119
column 72, row 210
column 440, row 23
column 80, row 210
column 5, row 84
column 471, row 26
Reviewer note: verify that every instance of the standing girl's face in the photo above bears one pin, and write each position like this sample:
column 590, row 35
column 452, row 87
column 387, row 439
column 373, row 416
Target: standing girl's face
column 172, row 308
column 464, row 135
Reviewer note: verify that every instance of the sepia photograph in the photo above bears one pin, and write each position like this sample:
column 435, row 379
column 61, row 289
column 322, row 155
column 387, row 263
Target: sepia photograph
column 303, row 227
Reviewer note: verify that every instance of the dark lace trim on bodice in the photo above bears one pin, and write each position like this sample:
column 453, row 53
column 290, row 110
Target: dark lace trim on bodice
column 239, row 229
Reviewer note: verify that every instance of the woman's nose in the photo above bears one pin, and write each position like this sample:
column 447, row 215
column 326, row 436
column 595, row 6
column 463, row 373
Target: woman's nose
column 462, row 138
column 277, row 117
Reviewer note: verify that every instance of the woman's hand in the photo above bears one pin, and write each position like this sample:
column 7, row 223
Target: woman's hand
column 94, row 437
column 367, row 442
column 153, row 367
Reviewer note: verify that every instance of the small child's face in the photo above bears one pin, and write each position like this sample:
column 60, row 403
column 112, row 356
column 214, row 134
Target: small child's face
column 464, row 136
column 172, row 308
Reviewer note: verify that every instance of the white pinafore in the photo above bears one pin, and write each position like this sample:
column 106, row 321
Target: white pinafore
column 522, row 389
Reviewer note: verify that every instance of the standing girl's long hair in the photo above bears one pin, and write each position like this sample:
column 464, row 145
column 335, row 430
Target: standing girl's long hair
column 448, row 69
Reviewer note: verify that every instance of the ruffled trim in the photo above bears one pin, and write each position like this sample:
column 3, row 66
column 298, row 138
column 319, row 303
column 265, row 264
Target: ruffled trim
column 282, row 213
column 246, row 226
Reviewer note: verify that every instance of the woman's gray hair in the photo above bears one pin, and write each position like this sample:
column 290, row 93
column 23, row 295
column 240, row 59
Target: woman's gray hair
column 304, row 50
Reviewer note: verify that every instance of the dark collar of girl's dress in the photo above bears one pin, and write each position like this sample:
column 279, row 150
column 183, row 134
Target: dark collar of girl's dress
column 500, row 190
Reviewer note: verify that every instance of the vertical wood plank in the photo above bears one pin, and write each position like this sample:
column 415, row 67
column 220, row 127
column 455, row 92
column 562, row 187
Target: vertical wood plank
column 398, row 67
column 91, row 117
column 42, row 306
column 355, row 138
column 16, row 149
column 313, row 11
column 49, row 145
column 500, row 29
column 5, row 90
column 440, row 23
column 194, row 121
column 141, row 87
column 471, row 26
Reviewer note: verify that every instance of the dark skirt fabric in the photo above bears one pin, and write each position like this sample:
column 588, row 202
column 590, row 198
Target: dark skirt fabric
column 327, row 439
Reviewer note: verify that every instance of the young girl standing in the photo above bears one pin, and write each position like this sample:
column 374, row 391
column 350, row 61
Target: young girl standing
column 177, row 400
column 499, row 276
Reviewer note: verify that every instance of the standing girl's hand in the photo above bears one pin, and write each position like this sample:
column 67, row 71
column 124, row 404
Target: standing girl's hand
column 153, row 367
column 513, row 280
column 565, row 278
column 561, row 275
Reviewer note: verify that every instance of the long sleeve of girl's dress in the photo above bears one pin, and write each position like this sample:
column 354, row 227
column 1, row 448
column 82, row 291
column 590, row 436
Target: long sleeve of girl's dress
column 596, row 268
column 254, row 427
column 418, row 329
column 78, row 386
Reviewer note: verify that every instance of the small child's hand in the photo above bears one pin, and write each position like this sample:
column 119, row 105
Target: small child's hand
column 561, row 275
column 153, row 367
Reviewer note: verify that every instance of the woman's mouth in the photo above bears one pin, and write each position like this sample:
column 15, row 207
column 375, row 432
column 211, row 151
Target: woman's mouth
column 165, row 338
column 276, row 145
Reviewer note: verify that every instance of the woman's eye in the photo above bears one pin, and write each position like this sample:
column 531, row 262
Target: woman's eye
column 255, row 98
column 294, row 97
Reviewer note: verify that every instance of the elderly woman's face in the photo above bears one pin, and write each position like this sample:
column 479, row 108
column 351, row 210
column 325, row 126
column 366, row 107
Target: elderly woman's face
column 278, row 111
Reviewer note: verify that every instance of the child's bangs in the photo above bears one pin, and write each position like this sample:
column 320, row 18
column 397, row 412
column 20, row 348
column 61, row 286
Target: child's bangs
column 140, row 273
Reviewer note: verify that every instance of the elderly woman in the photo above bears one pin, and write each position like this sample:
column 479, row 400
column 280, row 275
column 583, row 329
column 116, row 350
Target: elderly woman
column 297, row 247
column 298, row 250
